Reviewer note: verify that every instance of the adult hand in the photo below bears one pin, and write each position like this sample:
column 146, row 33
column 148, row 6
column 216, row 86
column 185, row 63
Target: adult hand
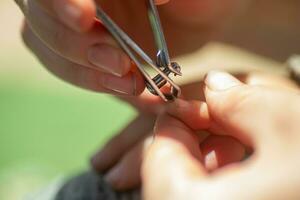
column 72, row 44
column 265, row 118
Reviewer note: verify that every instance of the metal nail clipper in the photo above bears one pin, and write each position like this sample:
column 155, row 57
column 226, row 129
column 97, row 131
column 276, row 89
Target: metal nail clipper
column 163, row 65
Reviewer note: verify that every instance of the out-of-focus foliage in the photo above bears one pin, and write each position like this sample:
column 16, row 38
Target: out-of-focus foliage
column 48, row 128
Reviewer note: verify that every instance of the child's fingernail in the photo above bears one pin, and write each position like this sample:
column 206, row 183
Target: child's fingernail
column 218, row 80
column 109, row 59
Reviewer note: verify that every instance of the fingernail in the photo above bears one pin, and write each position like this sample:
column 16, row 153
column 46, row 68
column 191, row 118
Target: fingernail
column 218, row 80
column 114, row 175
column 210, row 160
column 125, row 85
column 178, row 105
column 109, row 59
column 69, row 13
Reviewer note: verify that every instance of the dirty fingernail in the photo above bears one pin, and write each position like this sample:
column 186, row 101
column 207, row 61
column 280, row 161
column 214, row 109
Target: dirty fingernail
column 110, row 59
column 218, row 80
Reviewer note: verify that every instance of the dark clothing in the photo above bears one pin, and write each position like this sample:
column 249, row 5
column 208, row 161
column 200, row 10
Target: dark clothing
column 91, row 186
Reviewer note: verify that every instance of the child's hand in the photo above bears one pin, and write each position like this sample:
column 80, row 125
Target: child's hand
column 122, row 156
column 264, row 118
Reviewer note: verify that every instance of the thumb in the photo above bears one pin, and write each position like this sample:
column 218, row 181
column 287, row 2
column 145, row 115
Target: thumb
column 172, row 161
column 233, row 107
column 241, row 111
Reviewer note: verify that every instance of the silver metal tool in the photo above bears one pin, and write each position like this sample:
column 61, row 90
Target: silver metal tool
column 162, row 65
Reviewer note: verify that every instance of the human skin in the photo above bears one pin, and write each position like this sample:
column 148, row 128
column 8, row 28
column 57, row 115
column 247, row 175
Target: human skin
column 63, row 42
column 265, row 118
column 122, row 156
column 73, row 45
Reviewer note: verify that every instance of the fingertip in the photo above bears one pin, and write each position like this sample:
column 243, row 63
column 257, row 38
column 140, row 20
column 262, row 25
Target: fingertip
column 125, row 174
column 100, row 162
column 77, row 14
column 193, row 113
column 219, row 80
column 87, row 20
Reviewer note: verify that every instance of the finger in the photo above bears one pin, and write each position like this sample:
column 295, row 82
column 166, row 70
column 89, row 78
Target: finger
column 193, row 113
column 219, row 151
column 79, row 75
column 76, row 14
column 173, row 160
column 262, row 79
column 147, row 103
column 246, row 112
column 95, row 49
column 225, row 97
column 114, row 150
column 127, row 173
column 159, row 2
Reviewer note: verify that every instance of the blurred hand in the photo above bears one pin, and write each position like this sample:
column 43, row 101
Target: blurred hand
column 73, row 45
column 265, row 118
column 121, row 158
column 68, row 40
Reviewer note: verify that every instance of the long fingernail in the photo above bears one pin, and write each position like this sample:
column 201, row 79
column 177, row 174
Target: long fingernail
column 69, row 13
column 125, row 85
column 109, row 59
column 218, row 80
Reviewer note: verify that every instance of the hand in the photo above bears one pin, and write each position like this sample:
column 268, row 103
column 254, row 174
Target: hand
column 68, row 40
column 265, row 118
column 121, row 158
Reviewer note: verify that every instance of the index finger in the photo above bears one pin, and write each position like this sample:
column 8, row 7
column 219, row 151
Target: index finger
column 78, row 15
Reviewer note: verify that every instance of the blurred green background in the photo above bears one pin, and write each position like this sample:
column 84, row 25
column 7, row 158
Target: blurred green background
column 48, row 128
